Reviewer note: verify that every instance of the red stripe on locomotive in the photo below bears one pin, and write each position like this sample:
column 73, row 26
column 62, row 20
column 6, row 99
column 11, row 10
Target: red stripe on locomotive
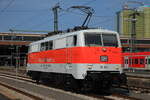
column 77, row 55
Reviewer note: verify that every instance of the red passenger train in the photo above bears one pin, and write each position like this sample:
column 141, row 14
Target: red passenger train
column 138, row 60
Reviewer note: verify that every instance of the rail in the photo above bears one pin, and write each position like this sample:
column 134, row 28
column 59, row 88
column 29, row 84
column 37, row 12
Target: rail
column 113, row 96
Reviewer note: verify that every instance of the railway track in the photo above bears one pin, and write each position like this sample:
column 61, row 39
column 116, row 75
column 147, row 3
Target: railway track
column 32, row 97
column 141, row 84
column 132, row 86
column 113, row 96
column 18, row 90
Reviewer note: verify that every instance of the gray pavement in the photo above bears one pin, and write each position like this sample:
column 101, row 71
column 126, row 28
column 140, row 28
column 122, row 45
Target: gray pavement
column 44, row 92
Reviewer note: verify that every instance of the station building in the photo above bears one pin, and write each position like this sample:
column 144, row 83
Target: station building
column 141, row 37
column 14, row 47
column 140, row 45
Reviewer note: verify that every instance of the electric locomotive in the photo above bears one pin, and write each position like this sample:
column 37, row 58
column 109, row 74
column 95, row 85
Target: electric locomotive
column 89, row 58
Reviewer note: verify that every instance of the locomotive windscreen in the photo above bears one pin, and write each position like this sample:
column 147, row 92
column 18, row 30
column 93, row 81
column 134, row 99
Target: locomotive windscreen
column 110, row 40
column 95, row 39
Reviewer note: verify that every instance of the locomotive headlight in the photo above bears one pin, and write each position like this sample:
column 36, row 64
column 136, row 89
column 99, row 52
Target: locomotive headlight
column 90, row 66
column 103, row 58
column 117, row 67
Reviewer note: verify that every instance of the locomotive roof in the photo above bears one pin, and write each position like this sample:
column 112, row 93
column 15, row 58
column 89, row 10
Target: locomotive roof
column 64, row 34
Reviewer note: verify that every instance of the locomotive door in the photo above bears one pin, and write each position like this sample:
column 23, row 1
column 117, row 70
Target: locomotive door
column 126, row 62
column 69, row 42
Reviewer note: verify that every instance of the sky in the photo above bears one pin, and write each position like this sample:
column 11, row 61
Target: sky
column 37, row 15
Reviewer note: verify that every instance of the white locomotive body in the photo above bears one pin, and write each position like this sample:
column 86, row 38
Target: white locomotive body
column 93, row 55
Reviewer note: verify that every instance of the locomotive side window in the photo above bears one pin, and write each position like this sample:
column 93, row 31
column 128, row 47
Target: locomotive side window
column 141, row 61
column 93, row 40
column 110, row 40
column 46, row 46
column 34, row 48
column 42, row 46
column 75, row 40
column 50, row 43
column 71, row 41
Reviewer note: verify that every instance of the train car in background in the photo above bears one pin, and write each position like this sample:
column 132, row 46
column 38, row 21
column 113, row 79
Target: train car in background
column 137, row 60
column 89, row 58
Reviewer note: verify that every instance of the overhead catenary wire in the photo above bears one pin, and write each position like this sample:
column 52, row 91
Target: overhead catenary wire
column 23, row 11
column 89, row 2
column 77, row 13
column 6, row 7
column 45, row 21
column 33, row 17
column 101, row 22
column 27, row 20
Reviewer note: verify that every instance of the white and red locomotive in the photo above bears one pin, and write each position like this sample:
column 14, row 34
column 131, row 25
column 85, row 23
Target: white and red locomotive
column 89, row 58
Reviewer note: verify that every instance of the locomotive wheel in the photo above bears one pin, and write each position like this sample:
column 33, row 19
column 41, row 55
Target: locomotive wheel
column 106, row 84
column 38, row 79
column 36, row 76
column 45, row 80
column 87, row 85
column 70, row 84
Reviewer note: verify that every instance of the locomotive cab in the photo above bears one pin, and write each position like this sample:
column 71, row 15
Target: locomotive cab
column 103, row 59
